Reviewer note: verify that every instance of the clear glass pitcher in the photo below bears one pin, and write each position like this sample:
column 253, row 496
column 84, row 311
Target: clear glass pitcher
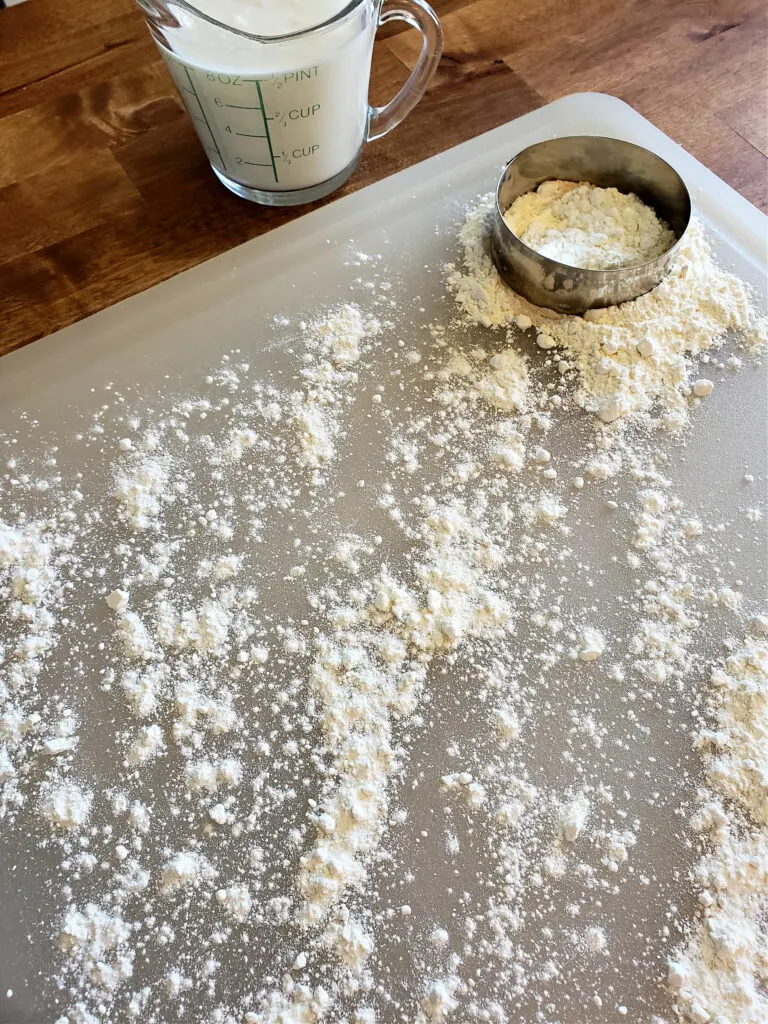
column 283, row 116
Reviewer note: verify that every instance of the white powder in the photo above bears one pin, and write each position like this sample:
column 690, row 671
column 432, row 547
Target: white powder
column 148, row 744
column 506, row 386
column 438, row 1002
column 65, row 804
column 316, row 431
column 145, row 687
column 342, row 333
column 240, row 441
column 135, row 637
column 651, row 521
column 463, row 782
column 206, row 629
column 547, row 510
column 738, row 763
column 175, row 982
column 703, row 387
column 454, row 603
column 92, row 930
column 227, row 567
column 509, row 451
column 351, row 943
column 617, row 844
column 30, row 587
column 197, row 711
column 595, row 940
column 688, row 313
column 572, row 817
column 117, row 600
column 720, row 973
column 208, row 776
column 582, row 225
column 501, row 380
column 592, row 644
column 236, row 900
column 507, row 724
column 21, row 550
column 726, row 597
column 7, row 769
column 186, row 869
column 142, row 490
column 301, row 1005
column 314, row 411
column 140, row 817
column 351, row 814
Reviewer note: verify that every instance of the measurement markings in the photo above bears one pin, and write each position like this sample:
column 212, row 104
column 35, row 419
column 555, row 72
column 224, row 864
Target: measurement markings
column 266, row 129
column 207, row 125
column 238, row 106
column 247, row 135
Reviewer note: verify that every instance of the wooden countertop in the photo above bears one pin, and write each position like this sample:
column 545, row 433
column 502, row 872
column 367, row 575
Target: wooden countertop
column 105, row 190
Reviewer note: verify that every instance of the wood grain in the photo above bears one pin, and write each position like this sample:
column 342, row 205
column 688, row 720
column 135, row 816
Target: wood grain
column 105, row 191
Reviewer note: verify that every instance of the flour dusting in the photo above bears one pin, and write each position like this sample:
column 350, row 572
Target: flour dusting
column 352, row 678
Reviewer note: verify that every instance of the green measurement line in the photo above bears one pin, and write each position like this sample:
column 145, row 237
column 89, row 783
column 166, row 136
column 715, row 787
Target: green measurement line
column 238, row 106
column 246, row 135
column 266, row 129
column 252, row 164
column 213, row 137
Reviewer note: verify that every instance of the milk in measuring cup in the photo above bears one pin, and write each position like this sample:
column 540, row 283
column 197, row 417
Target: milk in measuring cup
column 274, row 116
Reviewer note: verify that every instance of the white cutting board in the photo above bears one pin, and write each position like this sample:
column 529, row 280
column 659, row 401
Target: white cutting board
column 161, row 341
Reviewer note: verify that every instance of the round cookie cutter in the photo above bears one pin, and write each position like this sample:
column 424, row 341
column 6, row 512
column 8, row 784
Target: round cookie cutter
column 600, row 161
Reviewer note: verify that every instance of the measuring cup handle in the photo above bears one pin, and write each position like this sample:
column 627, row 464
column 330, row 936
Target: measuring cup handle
column 418, row 15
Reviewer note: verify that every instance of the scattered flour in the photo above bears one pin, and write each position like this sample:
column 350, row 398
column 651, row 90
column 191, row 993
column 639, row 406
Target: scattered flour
column 143, row 488
column 237, row 901
column 595, row 940
column 271, row 659
column 148, row 744
column 592, row 644
column 314, row 410
column 183, row 870
column 98, row 941
column 65, row 805
column 438, row 1002
column 370, row 671
column 572, row 817
column 722, row 971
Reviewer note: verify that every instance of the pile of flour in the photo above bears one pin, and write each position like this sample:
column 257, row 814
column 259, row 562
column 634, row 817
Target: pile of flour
column 582, row 225
column 630, row 359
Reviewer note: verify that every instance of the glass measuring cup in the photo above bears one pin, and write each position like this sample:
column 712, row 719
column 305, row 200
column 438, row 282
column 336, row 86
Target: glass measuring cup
column 283, row 117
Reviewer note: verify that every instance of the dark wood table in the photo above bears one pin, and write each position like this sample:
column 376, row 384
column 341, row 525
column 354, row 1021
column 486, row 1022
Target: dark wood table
column 105, row 190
